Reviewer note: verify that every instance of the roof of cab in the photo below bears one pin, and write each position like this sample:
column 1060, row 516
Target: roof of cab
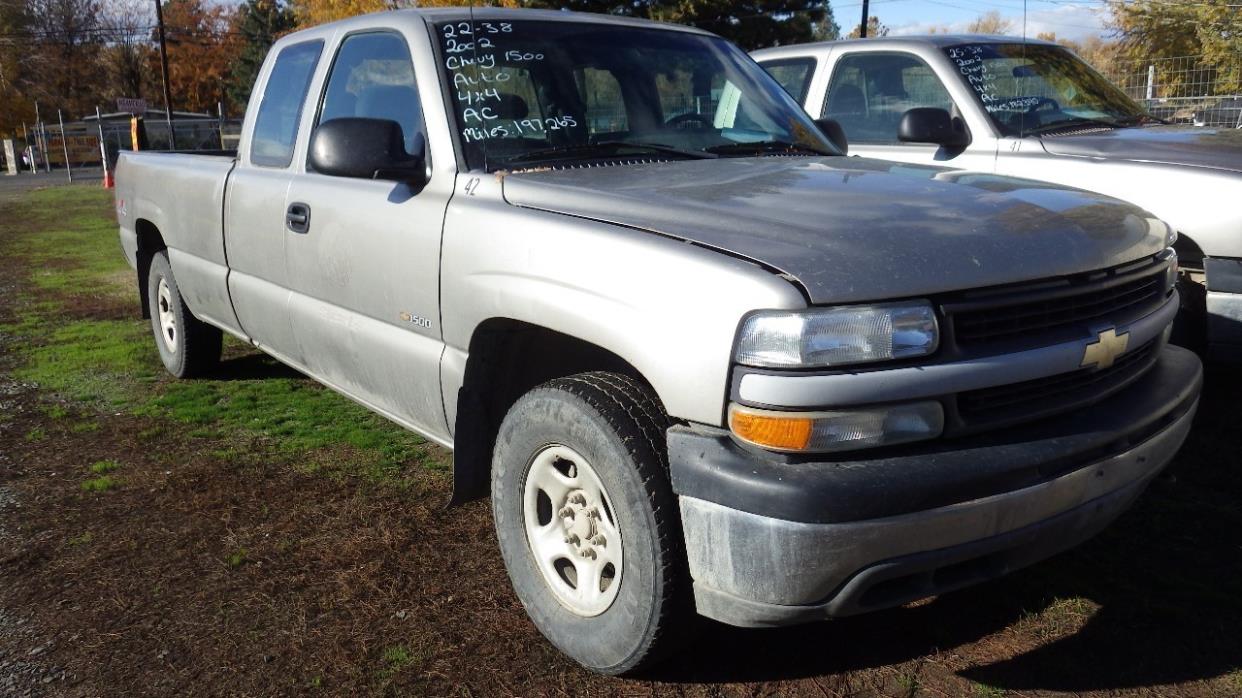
column 897, row 42
column 451, row 14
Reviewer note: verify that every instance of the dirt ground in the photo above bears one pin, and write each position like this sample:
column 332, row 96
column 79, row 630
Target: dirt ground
column 220, row 565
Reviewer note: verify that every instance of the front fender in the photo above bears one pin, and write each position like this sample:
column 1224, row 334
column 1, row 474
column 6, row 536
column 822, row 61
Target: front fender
column 668, row 308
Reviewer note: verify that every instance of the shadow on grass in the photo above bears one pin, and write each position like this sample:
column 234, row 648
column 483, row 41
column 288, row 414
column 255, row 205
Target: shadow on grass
column 1167, row 579
column 254, row 366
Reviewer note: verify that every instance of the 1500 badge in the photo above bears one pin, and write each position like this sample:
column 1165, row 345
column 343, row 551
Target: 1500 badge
column 415, row 320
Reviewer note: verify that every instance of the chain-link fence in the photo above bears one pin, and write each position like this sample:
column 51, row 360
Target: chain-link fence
column 1186, row 89
column 94, row 140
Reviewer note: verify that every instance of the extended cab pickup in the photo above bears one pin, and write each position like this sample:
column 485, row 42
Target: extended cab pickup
column 702, row 361
column 1033, row 109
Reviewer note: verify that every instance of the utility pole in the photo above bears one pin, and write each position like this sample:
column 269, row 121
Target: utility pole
column 862, row 32
column 159, row 21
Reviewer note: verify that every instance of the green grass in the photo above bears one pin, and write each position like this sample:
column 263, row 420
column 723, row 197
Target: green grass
column 237, row 558
column 36, row 434
column 104, row 467
column 67, row 237
column 83, row 539
column 102, row 483
column 398, row 657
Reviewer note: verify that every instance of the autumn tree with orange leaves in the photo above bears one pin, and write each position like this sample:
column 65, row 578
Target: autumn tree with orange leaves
column 202, row 48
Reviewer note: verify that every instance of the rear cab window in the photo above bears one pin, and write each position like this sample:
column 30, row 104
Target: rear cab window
column 276, row 126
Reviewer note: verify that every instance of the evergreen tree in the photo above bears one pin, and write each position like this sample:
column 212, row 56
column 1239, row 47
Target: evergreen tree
column 260, row 23
column 751, row 24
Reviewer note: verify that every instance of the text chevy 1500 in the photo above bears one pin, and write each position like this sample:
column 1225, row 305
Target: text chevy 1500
column 702, row 361
column 1034, row 109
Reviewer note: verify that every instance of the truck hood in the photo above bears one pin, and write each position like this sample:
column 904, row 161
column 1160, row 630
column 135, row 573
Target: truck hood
column 1219, row 149
column 851, row 229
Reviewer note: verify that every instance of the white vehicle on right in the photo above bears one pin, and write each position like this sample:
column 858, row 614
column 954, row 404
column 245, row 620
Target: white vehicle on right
column 994, row 105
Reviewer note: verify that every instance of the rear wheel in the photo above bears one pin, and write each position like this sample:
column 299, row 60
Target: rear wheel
column 188, row 346
column 587, row 522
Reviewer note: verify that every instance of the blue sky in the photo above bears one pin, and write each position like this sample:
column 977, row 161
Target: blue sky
column 1073, row 19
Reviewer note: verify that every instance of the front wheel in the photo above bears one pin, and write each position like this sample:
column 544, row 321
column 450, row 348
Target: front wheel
column 188, row 346
column 587, row 522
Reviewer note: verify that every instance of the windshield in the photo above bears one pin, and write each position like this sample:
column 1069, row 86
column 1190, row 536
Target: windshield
column 530, row 93
column 1037, row 89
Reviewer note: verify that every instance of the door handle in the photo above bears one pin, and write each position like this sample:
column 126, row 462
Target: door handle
column 297, row 218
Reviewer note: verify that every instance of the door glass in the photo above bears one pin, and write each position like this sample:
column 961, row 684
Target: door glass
column 794, row 74
column 870, row 92
column 276, row 126
column 373, row 78
column 605, row 107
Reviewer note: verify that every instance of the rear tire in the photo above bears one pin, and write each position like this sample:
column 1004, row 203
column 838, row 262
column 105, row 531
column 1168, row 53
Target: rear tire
column 580, row 485
column 188, row 346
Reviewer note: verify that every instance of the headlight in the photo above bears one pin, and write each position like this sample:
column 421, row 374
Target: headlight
column 849, row 334
column 837, row 430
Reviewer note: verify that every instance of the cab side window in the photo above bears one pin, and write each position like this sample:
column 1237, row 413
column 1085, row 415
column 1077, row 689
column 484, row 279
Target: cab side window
column 373, row 77
column 870, row 92
column 794, row 74
column 276, row 126
column 604, row 102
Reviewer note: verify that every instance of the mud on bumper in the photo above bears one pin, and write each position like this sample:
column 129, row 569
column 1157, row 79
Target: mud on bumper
column 775, row 541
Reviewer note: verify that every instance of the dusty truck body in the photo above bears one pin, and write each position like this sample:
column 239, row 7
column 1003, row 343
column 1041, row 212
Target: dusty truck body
column 1033, row 109
column 702, row 361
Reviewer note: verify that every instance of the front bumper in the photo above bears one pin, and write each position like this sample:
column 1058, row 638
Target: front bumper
column 772, row 540
column 1224, row 308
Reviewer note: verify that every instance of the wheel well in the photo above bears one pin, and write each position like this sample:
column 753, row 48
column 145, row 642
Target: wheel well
column 150, row 241
column 507, row 359
column 1189, row 254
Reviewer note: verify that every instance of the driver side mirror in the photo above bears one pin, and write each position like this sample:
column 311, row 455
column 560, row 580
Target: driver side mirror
column 833, row 132
column 366, row 149
column 932, row 125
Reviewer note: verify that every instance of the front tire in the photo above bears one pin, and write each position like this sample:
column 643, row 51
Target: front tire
column 188, row 346
column 587, row 523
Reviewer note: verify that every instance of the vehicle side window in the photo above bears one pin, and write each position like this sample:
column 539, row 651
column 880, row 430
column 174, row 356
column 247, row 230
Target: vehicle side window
column 605, row 105
column 870, row 92
column 373, row 77
column 794, row 74
column 276, row 126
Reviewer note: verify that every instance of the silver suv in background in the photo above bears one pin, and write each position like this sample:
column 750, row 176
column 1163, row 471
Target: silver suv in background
column 1033, row 109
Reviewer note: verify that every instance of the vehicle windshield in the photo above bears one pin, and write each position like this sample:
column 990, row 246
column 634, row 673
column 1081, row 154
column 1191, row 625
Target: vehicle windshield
column 1030, row 89
column 541, row 93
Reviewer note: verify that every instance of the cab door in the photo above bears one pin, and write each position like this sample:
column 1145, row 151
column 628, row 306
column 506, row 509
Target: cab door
column 869, row 92
column 362, row 255
column 254, row 211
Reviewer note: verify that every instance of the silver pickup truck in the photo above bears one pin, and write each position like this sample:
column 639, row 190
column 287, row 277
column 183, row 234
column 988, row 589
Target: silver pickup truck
column 702, row 361
column 1034, row 109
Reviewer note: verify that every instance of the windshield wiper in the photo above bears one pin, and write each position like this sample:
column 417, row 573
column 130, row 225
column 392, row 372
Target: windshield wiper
column 603, row 149
column 760, row 147
column 1075, row 122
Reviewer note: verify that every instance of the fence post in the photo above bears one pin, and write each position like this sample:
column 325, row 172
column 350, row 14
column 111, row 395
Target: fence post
column 1151, row 81
column 28, row 150
column 64, row 144
column 220, row 123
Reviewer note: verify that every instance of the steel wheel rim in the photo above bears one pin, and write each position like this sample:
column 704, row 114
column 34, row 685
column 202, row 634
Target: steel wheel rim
column 571, row 530
column 166, row 316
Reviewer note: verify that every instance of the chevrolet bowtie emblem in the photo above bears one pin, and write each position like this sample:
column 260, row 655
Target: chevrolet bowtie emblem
column 1105, row 349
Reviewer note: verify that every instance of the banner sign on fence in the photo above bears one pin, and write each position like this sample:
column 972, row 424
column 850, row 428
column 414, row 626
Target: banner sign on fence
column 82, row 149
column 131, row 105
